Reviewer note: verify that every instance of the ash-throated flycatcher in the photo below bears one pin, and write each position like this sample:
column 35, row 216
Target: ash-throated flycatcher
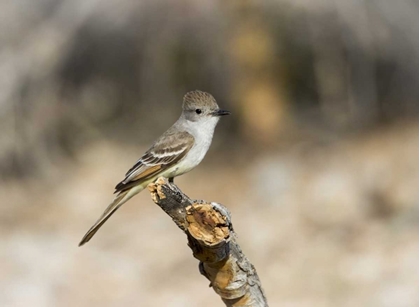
column 177, row 151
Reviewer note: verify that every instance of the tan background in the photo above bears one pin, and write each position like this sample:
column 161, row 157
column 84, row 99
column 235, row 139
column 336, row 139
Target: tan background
column 318, row 162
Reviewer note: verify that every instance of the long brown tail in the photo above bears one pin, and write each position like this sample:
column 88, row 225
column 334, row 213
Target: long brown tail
column 119, row 200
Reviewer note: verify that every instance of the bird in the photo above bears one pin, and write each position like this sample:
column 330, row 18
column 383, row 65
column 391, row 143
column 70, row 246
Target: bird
column 177, row 151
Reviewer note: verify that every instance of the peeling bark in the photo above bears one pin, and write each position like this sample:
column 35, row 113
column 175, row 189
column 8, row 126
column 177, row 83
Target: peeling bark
column 212, row 240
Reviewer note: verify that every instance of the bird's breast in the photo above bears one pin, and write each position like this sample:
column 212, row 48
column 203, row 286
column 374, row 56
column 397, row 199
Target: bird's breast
column 195, row 155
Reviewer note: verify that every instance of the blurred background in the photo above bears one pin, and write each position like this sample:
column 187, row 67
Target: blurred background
column 318, row 162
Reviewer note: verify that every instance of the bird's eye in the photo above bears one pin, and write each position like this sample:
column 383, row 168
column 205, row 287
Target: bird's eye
column 198, row 111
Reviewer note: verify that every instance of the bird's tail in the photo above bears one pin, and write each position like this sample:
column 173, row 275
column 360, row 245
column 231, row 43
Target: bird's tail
column 119, row 200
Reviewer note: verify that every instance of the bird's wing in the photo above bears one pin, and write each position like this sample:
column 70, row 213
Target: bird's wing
column 167, row 151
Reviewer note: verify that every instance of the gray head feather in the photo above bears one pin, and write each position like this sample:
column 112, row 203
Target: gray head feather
column 197, row 99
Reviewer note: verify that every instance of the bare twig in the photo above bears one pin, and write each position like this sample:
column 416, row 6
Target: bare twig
column 211, row 238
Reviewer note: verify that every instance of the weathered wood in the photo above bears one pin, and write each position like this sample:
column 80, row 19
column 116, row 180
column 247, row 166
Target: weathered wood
column 212, row 240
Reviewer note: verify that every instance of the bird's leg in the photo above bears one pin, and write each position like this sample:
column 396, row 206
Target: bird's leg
column 171, row 179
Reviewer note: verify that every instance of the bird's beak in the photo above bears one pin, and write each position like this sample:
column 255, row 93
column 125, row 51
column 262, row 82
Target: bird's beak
column 220, row 112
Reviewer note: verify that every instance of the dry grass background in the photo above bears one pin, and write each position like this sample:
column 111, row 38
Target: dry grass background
column 318, row 162
column 333, row 226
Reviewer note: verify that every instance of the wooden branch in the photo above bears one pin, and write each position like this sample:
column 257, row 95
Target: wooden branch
column 213, row 242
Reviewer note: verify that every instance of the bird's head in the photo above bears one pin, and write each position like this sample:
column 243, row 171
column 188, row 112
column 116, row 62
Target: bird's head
column 200, row 106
